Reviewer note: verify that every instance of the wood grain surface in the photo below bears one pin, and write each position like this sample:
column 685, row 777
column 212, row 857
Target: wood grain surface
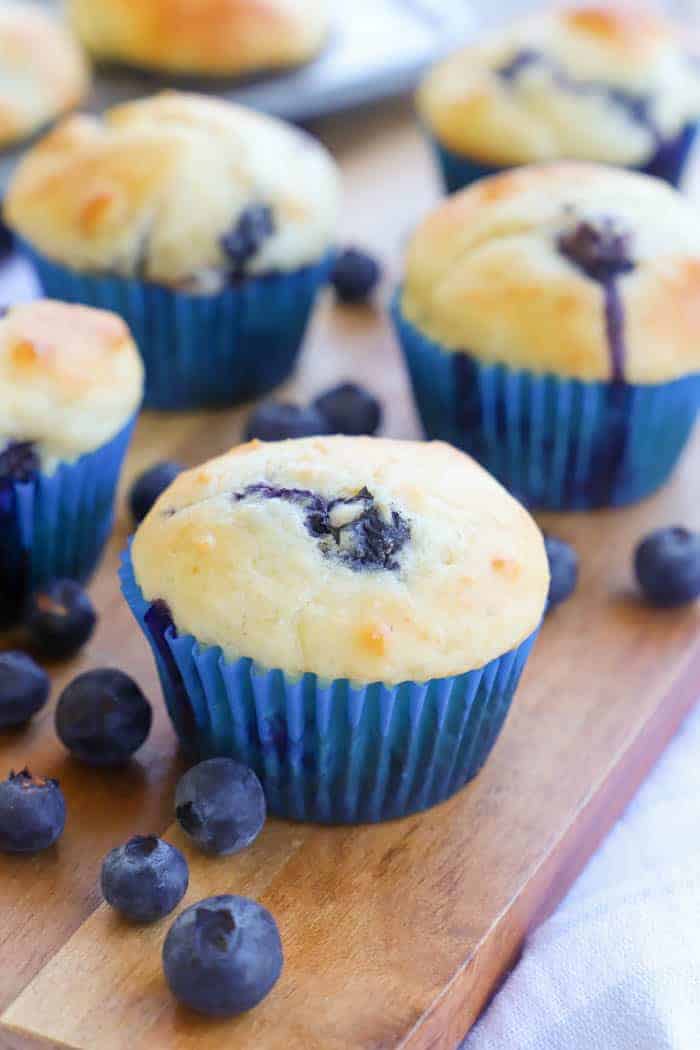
column 394, row 936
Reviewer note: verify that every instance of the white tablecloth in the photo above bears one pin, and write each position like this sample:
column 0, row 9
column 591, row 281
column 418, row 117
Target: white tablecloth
column 617, row 967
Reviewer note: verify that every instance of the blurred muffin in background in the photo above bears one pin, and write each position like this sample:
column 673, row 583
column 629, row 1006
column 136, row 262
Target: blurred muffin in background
column 614, row 85
column 206, row 37
column 550, row 319
column 71, row 383
column 207, row 226
column 43, row 73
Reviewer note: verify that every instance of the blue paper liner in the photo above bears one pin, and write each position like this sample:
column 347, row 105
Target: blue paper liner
column 555, row 443
column 202, row 350
column 333, row 752
column 56, row 525
column 668, row 163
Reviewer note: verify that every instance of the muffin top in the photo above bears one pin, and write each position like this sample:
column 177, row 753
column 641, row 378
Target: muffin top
column 42, row 71
column 370, row 559
column 574, row 269
column 70, row 379
column 202, row 36
column 584, row 83
column 179, row 189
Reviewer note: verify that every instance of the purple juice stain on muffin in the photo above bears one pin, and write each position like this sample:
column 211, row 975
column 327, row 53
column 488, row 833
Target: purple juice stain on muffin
column 668, row 159
column 350, row 529
column 159, row 622
column 19, row 464
column 638, row 108
column 242, row 243
column 602, row 251
column 519, row 62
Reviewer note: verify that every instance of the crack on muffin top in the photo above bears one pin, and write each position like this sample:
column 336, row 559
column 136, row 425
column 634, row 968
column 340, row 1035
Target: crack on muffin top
column 19, row 461
column 636, row 107
column 354, row 530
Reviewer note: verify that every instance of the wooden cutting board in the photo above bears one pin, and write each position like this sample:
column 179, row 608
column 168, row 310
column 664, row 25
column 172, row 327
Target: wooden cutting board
column 395, row 936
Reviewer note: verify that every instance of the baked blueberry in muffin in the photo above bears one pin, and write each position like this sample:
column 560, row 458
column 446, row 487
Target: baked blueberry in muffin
column 612, row 84
column 228, row 37
column 42, row 71
column 328, row 587
column 207, row 226
column 71, row 382
column 550, row 321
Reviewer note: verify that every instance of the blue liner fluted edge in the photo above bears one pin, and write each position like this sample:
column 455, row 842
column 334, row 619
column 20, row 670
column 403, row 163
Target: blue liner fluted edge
column 332, row 752
column 555, row 443
column 57, row 524
column 668, row 163
column 202, row 350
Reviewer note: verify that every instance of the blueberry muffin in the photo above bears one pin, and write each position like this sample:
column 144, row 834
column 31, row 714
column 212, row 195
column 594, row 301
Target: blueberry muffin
column 614, row 85
column 42, row 71
column 219, row 37
column 550, row 318
column 347, row 616
column 206, row 226
column 71, row 381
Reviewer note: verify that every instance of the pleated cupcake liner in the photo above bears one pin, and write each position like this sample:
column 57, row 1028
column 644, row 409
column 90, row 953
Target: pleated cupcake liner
column 332, row 752
column 56, row 525
column 202, row 351
column 555, row 443
column 668, row 163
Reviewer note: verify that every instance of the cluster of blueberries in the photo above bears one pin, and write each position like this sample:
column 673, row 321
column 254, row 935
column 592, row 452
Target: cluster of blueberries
column 223, row 955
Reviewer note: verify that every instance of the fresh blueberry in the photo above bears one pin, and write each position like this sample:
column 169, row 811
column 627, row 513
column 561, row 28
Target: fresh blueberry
column 350, row 409
column 24, row 688
column 355, row 276
column 563, row 570
column 667, row 564
column 149, row 486
column 243, row 242
column 102, row 717
column 223, row 956
column 221, row 805
column 145, row 878
column 60, row 619
column 19, row 461
column 279, row 420
column 32, row 813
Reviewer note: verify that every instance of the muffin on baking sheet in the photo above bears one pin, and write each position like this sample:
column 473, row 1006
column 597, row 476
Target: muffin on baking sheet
column 71, row 382
column 204, row 37
column 208, row 227
column 614, row 85
column 43, row 73
column 550, row 319
column 347, row 616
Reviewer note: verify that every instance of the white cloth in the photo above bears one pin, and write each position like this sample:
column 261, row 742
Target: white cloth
column 617, row 967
